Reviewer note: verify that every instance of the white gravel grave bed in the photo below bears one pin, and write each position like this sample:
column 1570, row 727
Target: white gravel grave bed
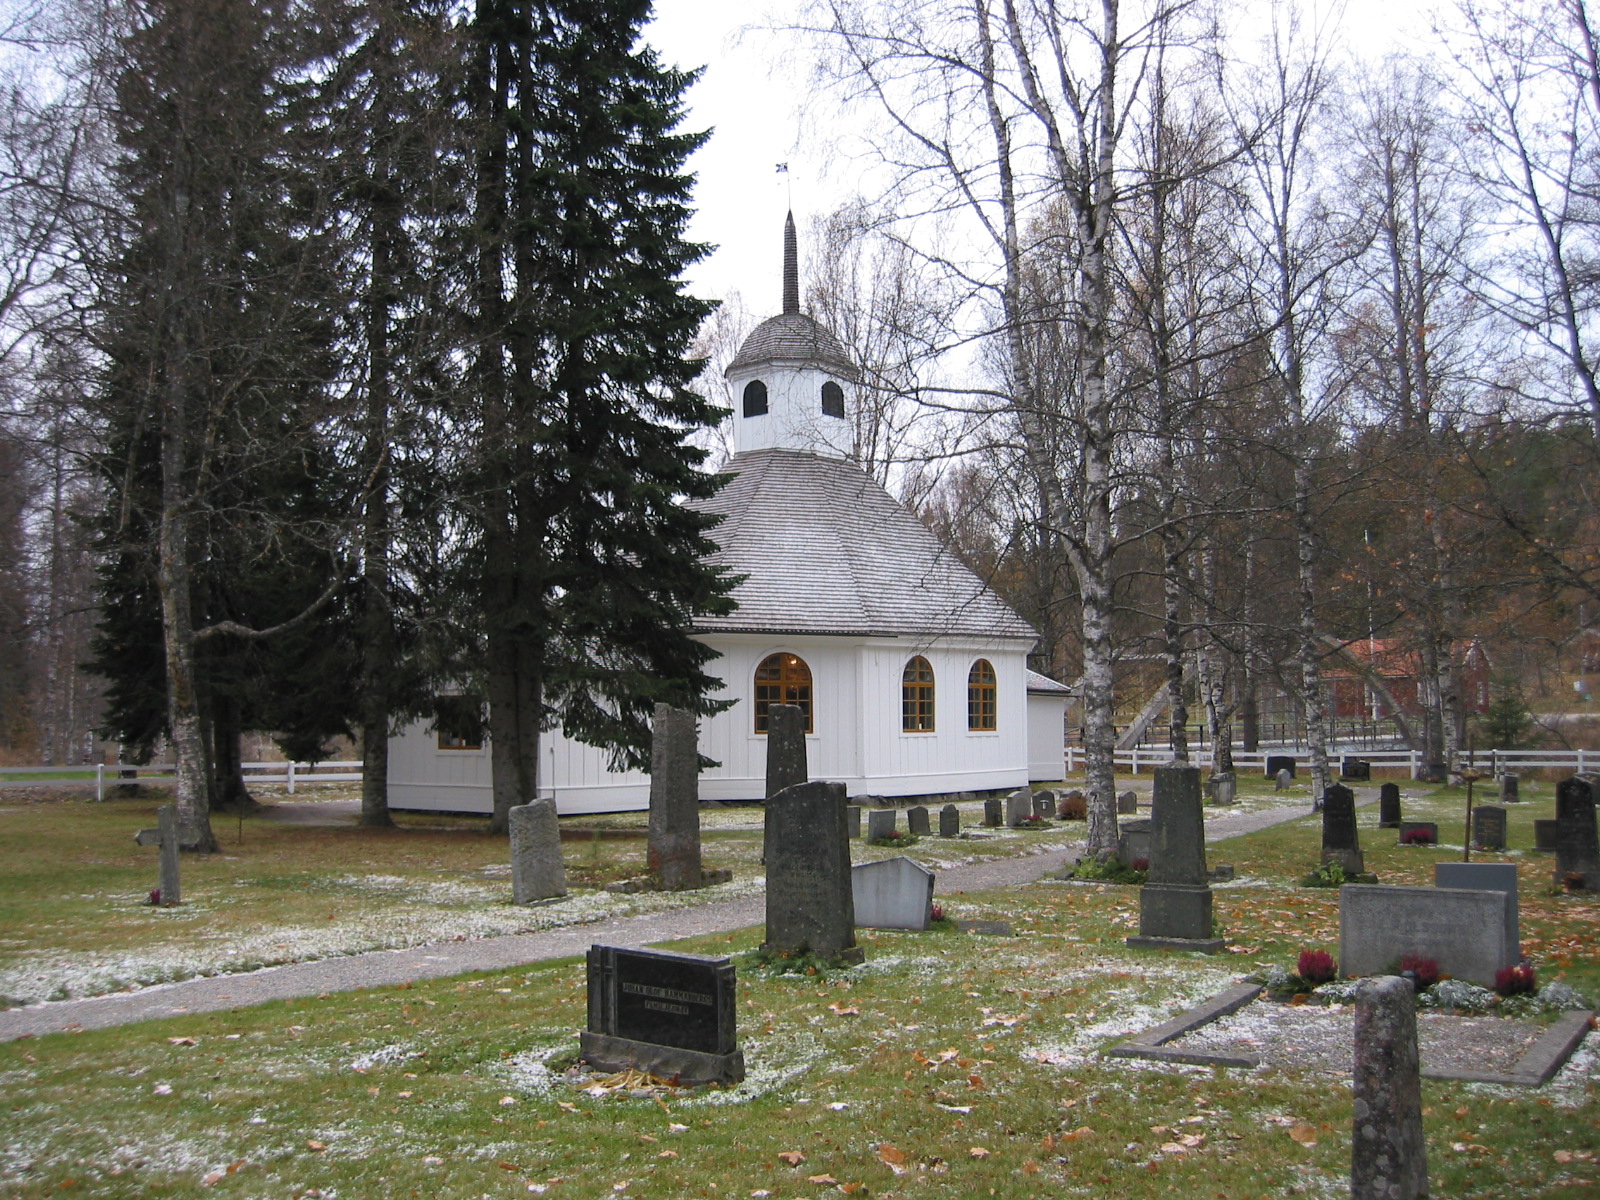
column 1317, row 1038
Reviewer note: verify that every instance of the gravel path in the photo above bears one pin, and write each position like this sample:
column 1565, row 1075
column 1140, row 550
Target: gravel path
column 387, row 968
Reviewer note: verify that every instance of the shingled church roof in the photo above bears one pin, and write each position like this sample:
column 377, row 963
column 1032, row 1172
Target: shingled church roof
column 825, row 549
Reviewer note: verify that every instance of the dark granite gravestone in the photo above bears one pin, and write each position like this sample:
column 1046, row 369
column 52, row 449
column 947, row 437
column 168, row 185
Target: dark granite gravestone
column 949, row 821
column 1485, row 877
column 1489, row 827
column 1127, row 804
column 1044, row 805
column 1577, row 847
column 1389, row 806
column 1388, row 1156
column 917, row 821
column 852, row 821
column 1340, row 842
column 1355, row 768
column 1546, row 833
column 1280, row 762
column 1435, row 772
column 168, row 837
column 671, row 1015
column 537, row 872
column 1510, row 786
column 808, row 874
column 1419, row 833
column 1133, row 843
column 674, row 850
column 994, row 812
column 880, row 823
column 786, row 754
column 1175, row 903
column 1019, row 807
column 1282, row 780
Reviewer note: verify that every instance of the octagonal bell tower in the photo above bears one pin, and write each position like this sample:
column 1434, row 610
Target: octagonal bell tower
column 793, row 384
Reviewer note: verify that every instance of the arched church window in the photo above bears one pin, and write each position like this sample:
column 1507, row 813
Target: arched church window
column 782, row 679
column 916, row 696
column 832, row 399
column 980, row 696
column 755, row 398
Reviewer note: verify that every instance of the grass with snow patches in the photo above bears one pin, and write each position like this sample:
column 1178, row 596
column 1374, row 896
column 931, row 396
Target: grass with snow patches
column 949, row 1066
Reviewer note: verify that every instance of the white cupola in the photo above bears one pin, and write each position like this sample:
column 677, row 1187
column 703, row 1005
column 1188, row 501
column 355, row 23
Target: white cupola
column 793, row 384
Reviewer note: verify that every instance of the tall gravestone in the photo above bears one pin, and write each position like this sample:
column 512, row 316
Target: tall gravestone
column 674, row 851
column 1489, row 827
column 1175, row 903
column 786, row 755
column 1389, row 806
column 1019, row 807
column 1577, row 847
column 537, row 872
column 1340, row 842
column 167, row 836
column 809, row 905
column 917, row 821
column 1388, row 1158
column 949, row 821
column 1510, row 788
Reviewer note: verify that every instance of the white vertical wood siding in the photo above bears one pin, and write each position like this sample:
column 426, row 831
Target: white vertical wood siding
column 1047, row 719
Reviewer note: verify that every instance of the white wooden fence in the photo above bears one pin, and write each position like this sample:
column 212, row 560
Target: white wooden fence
column 1148, row 758
column 288, row 773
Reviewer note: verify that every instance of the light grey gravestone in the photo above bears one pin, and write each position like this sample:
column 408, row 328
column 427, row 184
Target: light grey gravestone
column 1019, row 807
column 994, row 812
column 893, row 894
column 809, row 905
column 168, row 837
column 1389, row 806
column 1284, row 777
column 1223, row 787
column 1133, row 843
column 1044, row 804
column 537, row 872
column 1127, row 803
column 1470, row 934
column 1577, row 847
column 1175, row 905
column 1489, row 827
column 1341, row 843
column 1510, row 785
column 880, row 823
column 852, row 821
column 949, row 821
column 786, row 754
column 1388, row 1157
column 674, row 851
column 917, row 821
column 1484, row 877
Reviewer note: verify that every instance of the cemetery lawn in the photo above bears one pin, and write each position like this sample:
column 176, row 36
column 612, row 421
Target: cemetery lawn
column 950, row 1065
column 74, row 917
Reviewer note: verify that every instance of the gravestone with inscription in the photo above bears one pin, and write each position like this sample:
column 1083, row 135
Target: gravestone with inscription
column 1577, row 846
column 537, row 872
column 1340, row 842
column 1489, row 827
column 1510, row 786
column 167, row 836
column 1284, row 778
column 1280, row 762
column 1044, row 805
column 1019, row 807
column 895, row 893
column 1175, row 903
column 1358, row 769
column 1483, row 877
column 1389, row 806
column 994, row 812
column 808, row 874
column 949, row 821
column 674, row 848
column 917, row 821
column 1388, row 1155
column 669, row 1015
column 1470, row 934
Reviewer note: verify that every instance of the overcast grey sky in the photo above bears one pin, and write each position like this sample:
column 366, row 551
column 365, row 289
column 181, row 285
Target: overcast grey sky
column 749, row 95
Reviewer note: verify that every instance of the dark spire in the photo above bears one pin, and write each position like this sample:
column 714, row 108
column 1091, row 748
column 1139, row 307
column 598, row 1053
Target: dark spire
column 791, row 268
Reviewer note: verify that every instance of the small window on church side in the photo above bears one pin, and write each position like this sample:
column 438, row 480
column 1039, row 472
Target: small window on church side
column 832, row 399
column 980, row 696
column 458, row 721
column 782, row 679
column 916, row 696
column 755, row 398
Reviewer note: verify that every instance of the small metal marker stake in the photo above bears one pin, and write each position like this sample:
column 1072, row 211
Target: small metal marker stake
column 1472, row 777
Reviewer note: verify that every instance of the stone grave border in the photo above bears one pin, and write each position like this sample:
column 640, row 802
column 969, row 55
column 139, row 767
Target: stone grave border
column 1535, row 1068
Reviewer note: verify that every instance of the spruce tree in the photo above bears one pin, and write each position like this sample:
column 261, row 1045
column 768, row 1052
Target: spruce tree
column 589, row 564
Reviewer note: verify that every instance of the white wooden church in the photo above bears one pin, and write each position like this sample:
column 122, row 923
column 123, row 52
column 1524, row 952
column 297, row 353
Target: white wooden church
column 912, row 673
